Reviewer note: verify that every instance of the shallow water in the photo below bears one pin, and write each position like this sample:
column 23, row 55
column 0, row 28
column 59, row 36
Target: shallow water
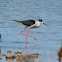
column 48, row 10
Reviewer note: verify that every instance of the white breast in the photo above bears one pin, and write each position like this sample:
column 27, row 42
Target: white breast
column 37, row 23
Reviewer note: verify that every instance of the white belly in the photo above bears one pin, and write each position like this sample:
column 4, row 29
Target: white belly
column 33, row 26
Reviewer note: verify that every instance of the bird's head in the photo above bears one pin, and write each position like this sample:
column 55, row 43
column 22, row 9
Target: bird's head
column 41, row 21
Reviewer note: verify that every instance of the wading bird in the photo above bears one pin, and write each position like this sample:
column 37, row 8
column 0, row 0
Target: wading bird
column 30, row 24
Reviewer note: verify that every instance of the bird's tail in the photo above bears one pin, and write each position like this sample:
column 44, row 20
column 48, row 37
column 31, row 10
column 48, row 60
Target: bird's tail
column 17, row 21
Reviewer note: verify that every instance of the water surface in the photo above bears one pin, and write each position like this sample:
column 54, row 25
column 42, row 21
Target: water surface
column 48, row 10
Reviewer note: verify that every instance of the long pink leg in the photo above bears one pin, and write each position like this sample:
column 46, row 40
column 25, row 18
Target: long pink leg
column 26, row 37
column 29, row 35
column 22, row 31
column 26, row 50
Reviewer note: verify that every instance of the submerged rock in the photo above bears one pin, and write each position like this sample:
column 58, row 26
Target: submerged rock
column 17, row 52
column 34, row 55
column 19, row 56
column 9, row 55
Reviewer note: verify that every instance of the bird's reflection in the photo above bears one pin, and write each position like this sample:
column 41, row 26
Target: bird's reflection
column 32, row 58
column 26, row 58
column 26, row 49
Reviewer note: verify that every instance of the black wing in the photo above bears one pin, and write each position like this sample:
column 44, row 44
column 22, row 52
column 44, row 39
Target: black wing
column 27, row 22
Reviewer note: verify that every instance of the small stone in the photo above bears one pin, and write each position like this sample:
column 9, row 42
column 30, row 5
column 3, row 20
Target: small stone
column 35, row 54
column 9, row 51
column 19, row 57
column 3, row 55
column 0, row 58
column 9, row 55
column 18, row 52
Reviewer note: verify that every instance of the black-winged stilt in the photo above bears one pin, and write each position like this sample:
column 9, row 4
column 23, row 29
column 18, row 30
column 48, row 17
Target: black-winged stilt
column 30, row 24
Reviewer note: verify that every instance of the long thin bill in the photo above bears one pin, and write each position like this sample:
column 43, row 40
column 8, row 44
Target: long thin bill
column 45, row 24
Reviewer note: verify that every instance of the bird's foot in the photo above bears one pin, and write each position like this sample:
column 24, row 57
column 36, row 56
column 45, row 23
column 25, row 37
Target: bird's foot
column 34, row 38
column 20, row 32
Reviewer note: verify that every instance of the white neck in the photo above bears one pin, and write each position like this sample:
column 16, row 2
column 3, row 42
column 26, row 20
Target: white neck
column 38, row 23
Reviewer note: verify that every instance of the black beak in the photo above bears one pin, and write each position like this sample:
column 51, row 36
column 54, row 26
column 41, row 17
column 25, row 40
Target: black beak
column 45, row 24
